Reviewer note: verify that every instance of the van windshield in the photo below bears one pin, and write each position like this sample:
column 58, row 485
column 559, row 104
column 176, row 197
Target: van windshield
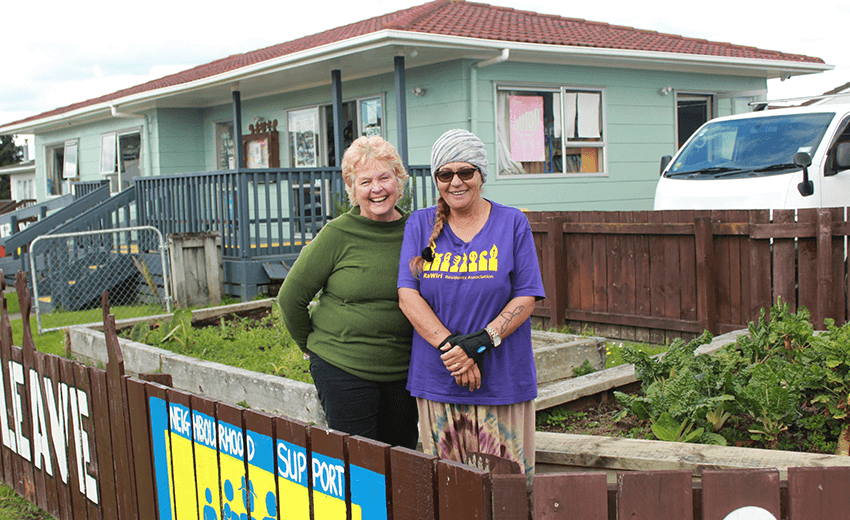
column 750, row 147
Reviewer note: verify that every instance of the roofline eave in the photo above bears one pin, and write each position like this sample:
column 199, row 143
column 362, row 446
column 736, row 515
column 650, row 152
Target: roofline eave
column 386, row 38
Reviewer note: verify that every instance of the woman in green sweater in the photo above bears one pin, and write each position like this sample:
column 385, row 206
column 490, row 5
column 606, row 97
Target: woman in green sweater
column 357, row 337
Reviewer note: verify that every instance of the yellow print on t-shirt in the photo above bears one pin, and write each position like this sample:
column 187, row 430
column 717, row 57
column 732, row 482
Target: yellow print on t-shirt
column 475, row 261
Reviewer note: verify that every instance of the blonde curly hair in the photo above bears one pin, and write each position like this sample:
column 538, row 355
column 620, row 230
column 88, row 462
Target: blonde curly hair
column 365, row 152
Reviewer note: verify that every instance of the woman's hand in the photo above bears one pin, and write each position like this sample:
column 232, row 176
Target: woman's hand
column 461, row 366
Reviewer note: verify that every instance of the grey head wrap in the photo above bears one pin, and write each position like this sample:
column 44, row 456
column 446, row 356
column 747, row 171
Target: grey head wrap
column 459, row 146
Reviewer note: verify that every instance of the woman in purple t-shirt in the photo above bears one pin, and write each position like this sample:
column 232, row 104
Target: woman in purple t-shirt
column 469, row 295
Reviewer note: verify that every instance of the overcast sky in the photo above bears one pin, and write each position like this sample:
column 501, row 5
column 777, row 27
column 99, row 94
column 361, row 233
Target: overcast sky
column 61, row 52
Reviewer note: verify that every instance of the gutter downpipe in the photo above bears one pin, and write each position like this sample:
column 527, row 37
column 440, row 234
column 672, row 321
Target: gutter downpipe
column 146, row 141
column 473, row 81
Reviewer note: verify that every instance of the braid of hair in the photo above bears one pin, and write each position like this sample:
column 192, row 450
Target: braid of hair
column 416, row 264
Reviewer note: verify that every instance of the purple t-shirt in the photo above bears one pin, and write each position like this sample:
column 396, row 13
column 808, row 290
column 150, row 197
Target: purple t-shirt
column 468, row 285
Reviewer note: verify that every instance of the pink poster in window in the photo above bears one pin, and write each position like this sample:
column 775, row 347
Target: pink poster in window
column 526, row 116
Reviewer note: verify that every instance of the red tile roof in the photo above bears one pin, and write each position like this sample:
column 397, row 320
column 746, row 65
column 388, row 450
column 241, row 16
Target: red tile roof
column 464, row 19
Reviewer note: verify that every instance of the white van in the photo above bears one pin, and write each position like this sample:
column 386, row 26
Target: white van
column 770, row 159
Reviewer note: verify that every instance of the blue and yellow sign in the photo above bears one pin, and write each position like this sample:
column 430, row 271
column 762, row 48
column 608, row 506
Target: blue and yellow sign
column 200, row 470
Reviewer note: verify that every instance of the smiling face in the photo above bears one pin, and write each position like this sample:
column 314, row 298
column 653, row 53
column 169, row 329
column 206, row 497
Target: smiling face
column 457, row 193
column 376, row 191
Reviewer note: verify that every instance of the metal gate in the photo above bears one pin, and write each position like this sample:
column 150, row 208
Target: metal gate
column 70, row 272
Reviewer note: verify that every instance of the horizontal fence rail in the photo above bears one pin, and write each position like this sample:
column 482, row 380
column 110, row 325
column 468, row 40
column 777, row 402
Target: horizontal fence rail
column 656, row 275
column 86, row 443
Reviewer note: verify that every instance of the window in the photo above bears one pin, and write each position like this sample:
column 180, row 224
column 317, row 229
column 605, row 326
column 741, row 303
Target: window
column 303, row 129
column 61, row 165
column 120, row 158
column 309, row 148
column 371, row 117
column 225, row 153
column 550, row 130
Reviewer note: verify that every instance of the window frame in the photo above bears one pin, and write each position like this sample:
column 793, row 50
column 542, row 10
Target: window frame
column 50, row 151
column 561, row 89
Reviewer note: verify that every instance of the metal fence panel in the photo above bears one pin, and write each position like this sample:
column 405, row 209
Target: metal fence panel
column 70, row 271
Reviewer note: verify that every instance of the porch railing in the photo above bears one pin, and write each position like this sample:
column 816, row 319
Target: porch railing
column 259, row 212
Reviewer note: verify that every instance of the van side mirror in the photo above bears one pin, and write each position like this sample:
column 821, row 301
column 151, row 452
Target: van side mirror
column 804, row 160
column 842, row 156
column 665, row 161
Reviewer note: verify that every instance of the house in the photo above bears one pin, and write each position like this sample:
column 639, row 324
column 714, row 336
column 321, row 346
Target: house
column 576, row 114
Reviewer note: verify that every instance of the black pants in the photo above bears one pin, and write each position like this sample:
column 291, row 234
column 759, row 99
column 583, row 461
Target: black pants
column 384, row 412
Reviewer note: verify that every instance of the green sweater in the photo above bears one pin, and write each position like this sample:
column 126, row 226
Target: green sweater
column 357, row 325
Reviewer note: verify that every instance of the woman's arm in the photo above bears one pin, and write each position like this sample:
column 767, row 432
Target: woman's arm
column 509, row 319
column 422, row 317
column 432, row 330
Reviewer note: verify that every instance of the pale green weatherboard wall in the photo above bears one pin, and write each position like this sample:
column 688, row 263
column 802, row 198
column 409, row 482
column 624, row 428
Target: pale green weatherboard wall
column 640, row 125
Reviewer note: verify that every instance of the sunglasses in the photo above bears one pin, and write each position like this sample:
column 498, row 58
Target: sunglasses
column 446, row 175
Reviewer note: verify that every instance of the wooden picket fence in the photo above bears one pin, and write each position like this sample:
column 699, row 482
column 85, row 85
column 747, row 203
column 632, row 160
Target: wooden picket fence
column 86, row 443
column 654, row 276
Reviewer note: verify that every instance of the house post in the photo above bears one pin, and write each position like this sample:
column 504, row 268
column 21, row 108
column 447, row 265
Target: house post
column 237, row 125
column 401, row 109
column 336, row 94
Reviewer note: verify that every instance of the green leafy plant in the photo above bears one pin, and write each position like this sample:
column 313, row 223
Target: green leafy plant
column 583, row 369
column 666, row 428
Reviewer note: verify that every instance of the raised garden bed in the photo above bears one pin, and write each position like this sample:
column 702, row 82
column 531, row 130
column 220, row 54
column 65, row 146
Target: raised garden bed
column 557, row 355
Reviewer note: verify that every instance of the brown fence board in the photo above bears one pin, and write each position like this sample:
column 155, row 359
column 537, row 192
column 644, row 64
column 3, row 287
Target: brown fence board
column 807, row 265
column 818, row 493
column 599, row 266
column 90, row 471
column 687, row 269
column 141, row 442
column 50, row 466
column 292, row 446
column 55, row 402
column 628, row 270
column 657, row 277
column 510, row 498
column 157, row 403
column 6, row 454
column 374, row 458
column 75, row 487
column 563, row 496
column 106, row 473
column 584, row 259
column 182, row 454
column 722, row 258
column 760, row 272
column 660, row 495
column 672, row 266
column 330, row 475
column 724, row 491
column 642, row 277
column 838, row 304
column 414, row 494
column 118, row 421
column 614, row 270
column 785, row 262
column 463, row 491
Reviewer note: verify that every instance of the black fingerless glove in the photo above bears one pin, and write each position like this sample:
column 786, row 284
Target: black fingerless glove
column 475, row 345
column 451, row 339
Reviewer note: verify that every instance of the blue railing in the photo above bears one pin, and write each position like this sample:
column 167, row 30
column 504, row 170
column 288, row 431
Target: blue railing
column 259, row 212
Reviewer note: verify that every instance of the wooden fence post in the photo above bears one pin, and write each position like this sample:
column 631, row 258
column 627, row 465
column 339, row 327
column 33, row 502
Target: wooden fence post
column 706, row 281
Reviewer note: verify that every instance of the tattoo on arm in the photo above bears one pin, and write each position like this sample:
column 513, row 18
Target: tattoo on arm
column 510, row 315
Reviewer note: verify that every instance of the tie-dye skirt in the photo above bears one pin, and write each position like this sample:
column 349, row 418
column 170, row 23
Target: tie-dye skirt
column 458, row 431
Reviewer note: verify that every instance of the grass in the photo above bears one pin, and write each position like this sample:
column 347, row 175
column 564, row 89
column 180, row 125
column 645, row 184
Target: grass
column 15, row 507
